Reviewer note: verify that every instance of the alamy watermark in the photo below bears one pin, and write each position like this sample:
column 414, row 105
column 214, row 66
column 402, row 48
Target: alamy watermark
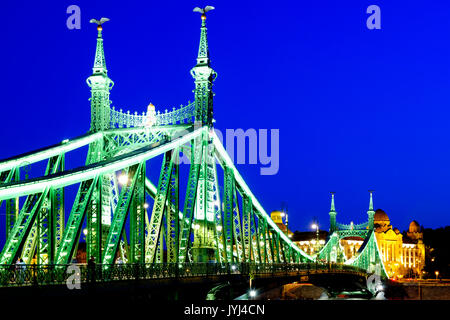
column 74, row 277
column 250, row 146
column 374, row 20
column 74, row 20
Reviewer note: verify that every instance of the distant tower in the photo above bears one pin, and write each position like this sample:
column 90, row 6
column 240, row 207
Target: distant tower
column 100, row 85
column 204, row 76
column 332, row 214
column 370, row 213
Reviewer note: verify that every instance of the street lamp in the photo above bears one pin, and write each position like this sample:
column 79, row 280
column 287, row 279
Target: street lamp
column 437, row 274
column 316, row 226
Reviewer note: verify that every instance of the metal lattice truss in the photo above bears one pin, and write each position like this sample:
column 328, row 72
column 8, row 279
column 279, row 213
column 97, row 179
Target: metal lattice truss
column 237, row 230
column 368, row 257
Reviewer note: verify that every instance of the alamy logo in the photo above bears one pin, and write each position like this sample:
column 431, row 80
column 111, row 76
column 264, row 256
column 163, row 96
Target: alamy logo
column 374, row 20
column 74, row 279
column 263, row 146
column 374, row 283
column 74, row 20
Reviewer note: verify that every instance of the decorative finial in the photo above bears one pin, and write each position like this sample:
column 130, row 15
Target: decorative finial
column 99, row 22
column 371, row 200
column 332, row 202
column 203, row 11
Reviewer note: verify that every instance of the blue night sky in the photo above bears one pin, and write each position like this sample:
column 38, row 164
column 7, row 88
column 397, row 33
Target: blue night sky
column 357, row 109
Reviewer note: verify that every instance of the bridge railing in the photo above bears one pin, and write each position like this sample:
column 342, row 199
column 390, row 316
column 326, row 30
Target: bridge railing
column 28, row 275
column 182, row 115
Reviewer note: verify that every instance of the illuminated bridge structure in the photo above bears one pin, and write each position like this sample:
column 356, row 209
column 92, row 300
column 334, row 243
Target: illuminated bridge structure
column 209, row 215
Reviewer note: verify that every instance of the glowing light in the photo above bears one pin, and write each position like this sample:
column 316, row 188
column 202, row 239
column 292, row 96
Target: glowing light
column 123, row 179
column 233, row 267
column 85, row 232
column 65, row 141
column 314, row 226
column 252, row 293
column 146, row 205
column 219, row 228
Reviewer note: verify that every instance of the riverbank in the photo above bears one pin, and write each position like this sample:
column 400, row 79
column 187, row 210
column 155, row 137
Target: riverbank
column 423, row 289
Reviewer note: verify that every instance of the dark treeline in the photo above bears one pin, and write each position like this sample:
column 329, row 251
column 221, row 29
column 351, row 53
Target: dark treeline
column 437, row 252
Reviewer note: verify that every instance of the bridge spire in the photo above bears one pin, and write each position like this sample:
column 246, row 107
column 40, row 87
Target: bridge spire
column 332, row 214
column 370, row 213
column 100, row 84
column 204, row 76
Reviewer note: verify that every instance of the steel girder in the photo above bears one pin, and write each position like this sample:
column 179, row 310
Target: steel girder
column 12, row 205
column 120, row 214
column 137, row 220
column 229, row 228
column 73, row 228
column 190, row 199
column 172, row 212
column 368, row 257
column 22, row 228
column 42, row 222
column 154, row 228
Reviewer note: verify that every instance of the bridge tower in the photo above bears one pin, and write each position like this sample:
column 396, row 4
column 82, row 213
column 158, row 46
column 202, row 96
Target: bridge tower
column 99, row 210
column 204, row 76
column 370, row 213
column 332, row 214
column 204, row 247
column 100, row 85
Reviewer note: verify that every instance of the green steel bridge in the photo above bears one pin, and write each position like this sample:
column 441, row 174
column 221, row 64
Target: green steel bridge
column 217, row 225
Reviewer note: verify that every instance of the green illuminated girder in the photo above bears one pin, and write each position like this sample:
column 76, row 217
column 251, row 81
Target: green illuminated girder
column 246, row 228
column 205, row 235
column 228, row 226
column 368, row 257
column 12, row 205
column 42, row 234
column 72, row 231
column 274, row 246
column 262, row 227
column 238, row 235
column 272, row 256
column 21, row 228
column 44, row 237
column 190, row 199
column 58, row 211
column 137, row 220
column 172, row 213
column 255, row 238
column 281, row 249
column 120, row 215
column 329, row 251
column 159, row 255
column 94, row 223
column 219, row 229
column 159, row 206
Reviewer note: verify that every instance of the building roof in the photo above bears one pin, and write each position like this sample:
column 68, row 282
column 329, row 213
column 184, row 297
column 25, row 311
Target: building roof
column 414, row 226
column 380, row 216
